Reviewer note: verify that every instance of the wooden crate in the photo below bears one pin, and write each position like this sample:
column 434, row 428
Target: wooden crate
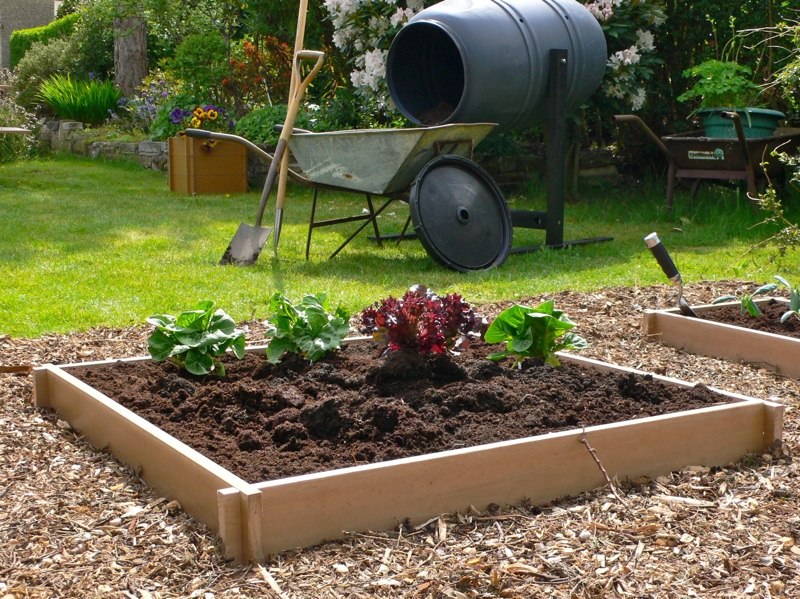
column 778, row 353
column 256, row 520
column 195, row 166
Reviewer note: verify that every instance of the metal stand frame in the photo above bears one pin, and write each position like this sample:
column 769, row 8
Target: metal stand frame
column 552, row 221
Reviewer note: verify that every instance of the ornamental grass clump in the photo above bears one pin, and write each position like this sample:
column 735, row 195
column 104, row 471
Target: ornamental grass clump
column 536, row 333
column 309, row 329
column 422, row 322
column 195, row 339
column 87, row 101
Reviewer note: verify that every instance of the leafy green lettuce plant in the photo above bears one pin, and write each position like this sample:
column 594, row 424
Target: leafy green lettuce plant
column 794, row 300
column 308, row 329
column 196, row 338
column 747, row 301
column 533, row 333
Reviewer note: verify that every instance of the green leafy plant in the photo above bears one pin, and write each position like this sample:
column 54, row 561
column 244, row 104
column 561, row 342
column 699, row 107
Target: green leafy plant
column 533, row 333
column 720, row 84
column 87, row 101
column 794, row 300
column 196, row 338
column 421, row 322
column 308, row 329
column 747, row 301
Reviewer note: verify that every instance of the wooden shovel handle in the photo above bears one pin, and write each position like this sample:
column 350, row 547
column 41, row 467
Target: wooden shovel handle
column 294, row 103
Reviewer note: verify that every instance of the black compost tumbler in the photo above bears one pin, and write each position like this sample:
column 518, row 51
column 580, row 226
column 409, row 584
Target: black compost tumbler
column 468, row 61
column 488, row 61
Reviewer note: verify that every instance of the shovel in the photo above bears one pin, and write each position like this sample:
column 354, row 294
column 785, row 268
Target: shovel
column 249, row 240
column 668, row 266
column 299, row 41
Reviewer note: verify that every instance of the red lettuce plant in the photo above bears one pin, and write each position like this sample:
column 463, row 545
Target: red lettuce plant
column 422, row 322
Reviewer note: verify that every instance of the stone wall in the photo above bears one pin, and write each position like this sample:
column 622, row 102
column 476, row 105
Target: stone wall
column 21, row 14
column 70, row 136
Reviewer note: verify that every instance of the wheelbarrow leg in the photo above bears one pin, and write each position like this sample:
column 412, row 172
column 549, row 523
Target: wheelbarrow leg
column 695, row 187
column 311, row 221
column 670, row 184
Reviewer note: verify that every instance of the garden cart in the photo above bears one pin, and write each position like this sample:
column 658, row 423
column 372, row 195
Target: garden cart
column 693, row 156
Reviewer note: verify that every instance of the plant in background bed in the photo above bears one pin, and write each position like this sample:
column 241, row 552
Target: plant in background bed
column 87, row 101
column 422, row 322
column 747, row 301
column 196, row 338
column 308, row 329
column 533, row 333
column 794, row 299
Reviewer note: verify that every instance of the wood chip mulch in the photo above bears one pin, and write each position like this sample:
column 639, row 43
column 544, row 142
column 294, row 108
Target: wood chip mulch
column 76, row 523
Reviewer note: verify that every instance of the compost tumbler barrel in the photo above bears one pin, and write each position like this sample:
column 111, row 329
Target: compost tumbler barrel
column 464, row 61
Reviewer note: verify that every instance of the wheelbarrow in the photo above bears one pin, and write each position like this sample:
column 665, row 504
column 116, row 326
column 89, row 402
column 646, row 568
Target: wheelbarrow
column 459, row 213
column 693, row 156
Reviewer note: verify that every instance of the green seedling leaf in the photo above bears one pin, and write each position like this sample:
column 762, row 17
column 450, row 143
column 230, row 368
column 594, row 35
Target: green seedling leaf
column 533, row 333
column 195, row 339
column 308, row 329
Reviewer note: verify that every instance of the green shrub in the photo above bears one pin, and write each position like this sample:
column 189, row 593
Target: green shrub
column 94, row 39
column 41, row 62
column 258, row 125
column 201, row 63
column 87, row 101
column 23, row 39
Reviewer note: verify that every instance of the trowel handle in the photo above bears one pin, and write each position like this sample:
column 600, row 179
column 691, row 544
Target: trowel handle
column 663, row 258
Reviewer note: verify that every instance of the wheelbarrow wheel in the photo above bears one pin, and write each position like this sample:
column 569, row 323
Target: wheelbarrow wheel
column 460, row 215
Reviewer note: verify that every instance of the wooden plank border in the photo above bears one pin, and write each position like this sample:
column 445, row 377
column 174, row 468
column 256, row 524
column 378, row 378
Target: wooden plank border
column 257, row 520
column 778, row 353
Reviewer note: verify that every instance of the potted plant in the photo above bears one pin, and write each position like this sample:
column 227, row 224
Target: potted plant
column 725, row 86
column 205, row 165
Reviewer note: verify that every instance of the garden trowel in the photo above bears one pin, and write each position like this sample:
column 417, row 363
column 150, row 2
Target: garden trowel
column 668, row 266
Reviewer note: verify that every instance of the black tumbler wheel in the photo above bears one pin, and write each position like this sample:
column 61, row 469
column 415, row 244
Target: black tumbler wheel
column 460, row 215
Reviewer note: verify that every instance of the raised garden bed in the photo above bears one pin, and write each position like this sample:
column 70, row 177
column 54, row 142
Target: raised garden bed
column 722, row 331
column 638, row 425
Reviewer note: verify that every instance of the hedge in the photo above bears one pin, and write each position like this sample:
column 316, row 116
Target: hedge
column 23, row 39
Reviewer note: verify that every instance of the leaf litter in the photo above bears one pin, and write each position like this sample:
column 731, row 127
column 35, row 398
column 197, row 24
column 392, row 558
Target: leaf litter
column 76, row 523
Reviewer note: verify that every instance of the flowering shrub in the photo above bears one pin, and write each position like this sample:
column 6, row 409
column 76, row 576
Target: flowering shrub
column 13, row 147
column 364, row 30
column 628, row 25
column 258, row 75
column 140, row 110
column 421, row 322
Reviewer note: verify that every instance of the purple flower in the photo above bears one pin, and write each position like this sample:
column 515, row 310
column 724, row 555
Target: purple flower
column 177, row 116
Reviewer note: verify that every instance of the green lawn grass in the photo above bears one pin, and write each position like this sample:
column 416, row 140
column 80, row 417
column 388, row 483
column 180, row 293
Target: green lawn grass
column 90, row 243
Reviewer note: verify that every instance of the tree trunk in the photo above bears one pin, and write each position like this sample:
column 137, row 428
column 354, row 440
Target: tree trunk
column 130, row 53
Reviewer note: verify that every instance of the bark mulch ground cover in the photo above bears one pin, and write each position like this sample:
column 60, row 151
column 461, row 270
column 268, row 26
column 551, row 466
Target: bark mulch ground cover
column 75, row 523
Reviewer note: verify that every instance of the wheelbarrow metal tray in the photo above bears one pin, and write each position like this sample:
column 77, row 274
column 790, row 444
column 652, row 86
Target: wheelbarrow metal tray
column 380, row 161
column 693, row 151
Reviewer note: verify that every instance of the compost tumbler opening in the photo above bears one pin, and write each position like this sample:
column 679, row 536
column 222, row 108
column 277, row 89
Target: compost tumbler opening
column 425, row 73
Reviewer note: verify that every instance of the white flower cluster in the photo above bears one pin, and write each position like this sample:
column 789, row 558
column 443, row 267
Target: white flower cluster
column 602, row 10
column 363, row 29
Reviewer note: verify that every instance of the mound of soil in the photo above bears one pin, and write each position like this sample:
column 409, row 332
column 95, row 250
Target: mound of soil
column 768, row 322
column 265, row 421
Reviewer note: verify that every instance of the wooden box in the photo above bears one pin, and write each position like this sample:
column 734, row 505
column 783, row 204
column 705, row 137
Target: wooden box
column 255, row 520
column 778, row 353
column 203, row 166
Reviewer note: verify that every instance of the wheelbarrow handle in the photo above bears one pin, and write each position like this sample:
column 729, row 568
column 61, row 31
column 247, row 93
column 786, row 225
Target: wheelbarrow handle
column 663, row 258
column 632, row 118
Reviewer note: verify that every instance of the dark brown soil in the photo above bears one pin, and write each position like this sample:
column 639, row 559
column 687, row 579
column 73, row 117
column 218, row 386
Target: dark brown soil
column 768, row 322
column 266, row 422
